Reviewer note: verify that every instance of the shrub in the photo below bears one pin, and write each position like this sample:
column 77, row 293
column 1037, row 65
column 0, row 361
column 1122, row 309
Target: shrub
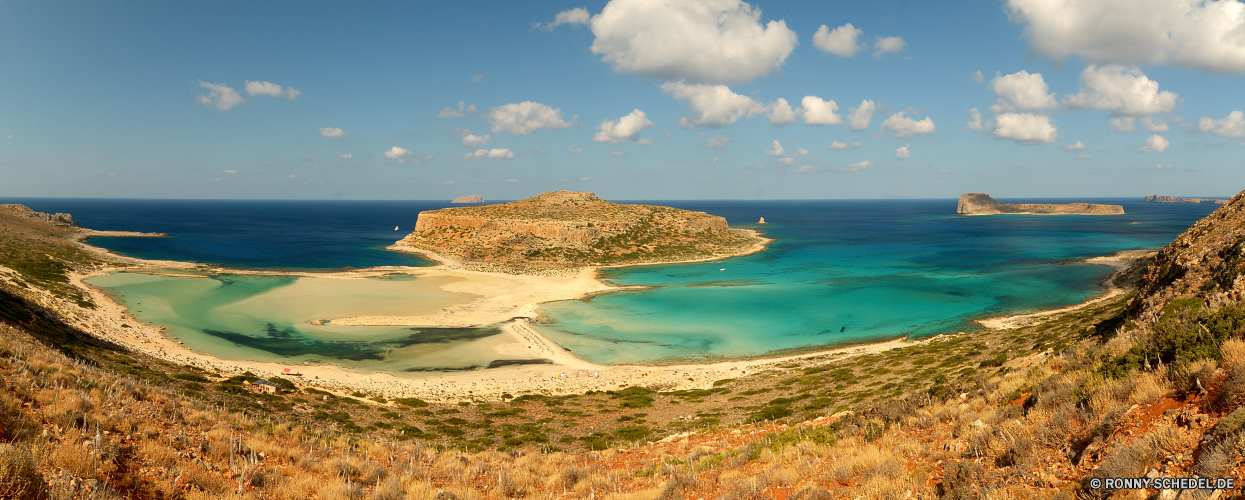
column 770, row 413
column 19, row 476
column 632, row 432
column 411, row 402
column 192, row 377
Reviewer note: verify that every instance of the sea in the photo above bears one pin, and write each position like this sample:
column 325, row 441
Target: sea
column 838, row 272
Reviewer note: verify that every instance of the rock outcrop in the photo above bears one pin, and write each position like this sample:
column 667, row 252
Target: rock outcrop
column 474, row 198
column 566, row 229
column 1171, row 199
column 983, row 204
column 25, row 211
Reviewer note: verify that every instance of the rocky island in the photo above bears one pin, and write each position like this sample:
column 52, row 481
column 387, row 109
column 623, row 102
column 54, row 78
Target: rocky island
column 983, row 204
column 471, row 198
column 1171, row 199
column 566, row 230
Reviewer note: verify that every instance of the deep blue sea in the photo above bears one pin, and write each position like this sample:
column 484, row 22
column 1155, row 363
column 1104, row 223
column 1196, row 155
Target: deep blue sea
column 840, row 271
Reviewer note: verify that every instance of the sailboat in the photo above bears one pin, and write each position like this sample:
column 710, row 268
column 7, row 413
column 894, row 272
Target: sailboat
column 395, row 228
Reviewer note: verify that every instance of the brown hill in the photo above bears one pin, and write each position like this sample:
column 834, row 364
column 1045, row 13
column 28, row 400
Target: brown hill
column 983, row 204
column 564, row 229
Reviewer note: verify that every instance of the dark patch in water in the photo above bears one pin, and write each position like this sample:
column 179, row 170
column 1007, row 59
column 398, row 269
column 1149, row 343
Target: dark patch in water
column 289, row 342
column 443, row 335
column 728, row 283
column 844, row 329
column 443, row 369
column 498, row 363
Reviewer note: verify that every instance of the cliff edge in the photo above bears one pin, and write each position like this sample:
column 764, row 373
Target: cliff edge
column 568, row 230
column 27, row 212
column 983, row 204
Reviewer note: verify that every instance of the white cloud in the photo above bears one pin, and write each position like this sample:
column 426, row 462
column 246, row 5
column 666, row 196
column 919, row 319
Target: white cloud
column 1122, row 91
column 457, row 113
column 625, row 129
column 718, row 41
column 219, row 96
column 780, row 113
column 292, row 176
column 1155, row 144
column 1125, row 124
column 491, row 154
column 573, row 149
column 1231, row 126
column 805, row 169
column 444, row 182
column 526, row 117
column 270, row 89
column 860, row 116
column 618, row 153
column 1154, row 125
column 858, row 166
column 1206, row 35
column 907, row 127
column 903, row 153
column 644, row 142
column 787, row 160
column 1021, row 91
column 884, row 45
column 715, row 160
column 477, row 78
column 714, row 105
column 840, row 42
column 1025, row 128
column 717, row 141
column 475, row 141
column 1082, row 157
column 801, row 152
column 574, row 17
column 331, row 132
column 974, row 120
column 777, row 149
column 346, row 156
column 838, row 145
column 819, row 112
column 231, row 171
column 396, row 152
column 978, row 77
column 1076, row 146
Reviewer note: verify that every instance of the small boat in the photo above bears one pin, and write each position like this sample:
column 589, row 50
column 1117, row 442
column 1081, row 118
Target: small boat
column 723, row 269
column 395, row 228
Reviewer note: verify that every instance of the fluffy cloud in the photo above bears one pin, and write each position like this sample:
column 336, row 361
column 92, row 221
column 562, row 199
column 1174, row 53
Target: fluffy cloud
column 457, row 113
column 860, row 116
column 396, row 152
column 1025, row 128
column 1154, row 125
column 884, row 45
column 574, row 17
column 903, row 153
column 903, row 126
column 526, row 117
column 1155, row 144
column 780, row 113
column 475, row 141
column 1077, row 146
column 714, row 105
column 717, row 141
column 777, row 149
column 331, row 132
column 573, row 149
column 346, row 156
column 270, row 89
column 836, row 145
column 1021, row 91
column 840, row 42
column 1125, row 124
column 491, row 154
column 978, row 77
column 219, row 96
column 1206, row 35
column 858, row 166
column 625, row 129
column 819, row 112
column 974, row 120
column 715, row 41
column 1122, row 91
column 1232, row 126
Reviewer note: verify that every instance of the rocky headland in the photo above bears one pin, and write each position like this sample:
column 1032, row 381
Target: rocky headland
column 27, row 212
column 566, row 230
column 471, row 198
column 983, row 204
column 1155, row 198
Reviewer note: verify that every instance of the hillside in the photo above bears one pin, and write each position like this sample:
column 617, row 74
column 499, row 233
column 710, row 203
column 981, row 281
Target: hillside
column 983, row 204
column 566, row 230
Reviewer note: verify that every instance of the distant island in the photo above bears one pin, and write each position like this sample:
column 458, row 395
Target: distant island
column 983, row 204
column 472, row 198
column 572, row 230
column 1171, row 199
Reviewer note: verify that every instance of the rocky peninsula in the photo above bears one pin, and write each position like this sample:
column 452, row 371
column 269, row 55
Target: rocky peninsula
column 566, row 230
column 471, row 198
column 983, row 204
column 1155, row 198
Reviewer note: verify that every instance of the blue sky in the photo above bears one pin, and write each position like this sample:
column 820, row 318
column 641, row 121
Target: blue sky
column 150, row 100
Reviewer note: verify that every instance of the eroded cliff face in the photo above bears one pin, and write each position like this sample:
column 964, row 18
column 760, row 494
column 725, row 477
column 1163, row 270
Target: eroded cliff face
column 25, row 211
column 574, row 229
column 983, row 204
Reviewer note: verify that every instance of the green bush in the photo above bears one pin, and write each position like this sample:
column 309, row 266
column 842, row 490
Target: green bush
column 411, row 402
column 770, row 413
column 633, row 432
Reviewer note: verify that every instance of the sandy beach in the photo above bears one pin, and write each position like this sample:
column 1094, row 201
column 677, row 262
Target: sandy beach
column 511, row 300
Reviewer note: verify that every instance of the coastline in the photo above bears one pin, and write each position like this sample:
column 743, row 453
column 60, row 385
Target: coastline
column 510, row 300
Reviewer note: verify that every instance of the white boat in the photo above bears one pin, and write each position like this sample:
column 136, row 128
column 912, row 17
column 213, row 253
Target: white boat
column 395, row 228
column 723, row 269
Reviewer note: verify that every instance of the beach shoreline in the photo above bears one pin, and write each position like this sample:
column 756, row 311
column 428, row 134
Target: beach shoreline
column 510, row 301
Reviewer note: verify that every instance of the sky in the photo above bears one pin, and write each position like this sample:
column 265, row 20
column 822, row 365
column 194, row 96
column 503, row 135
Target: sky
column 631, row 99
